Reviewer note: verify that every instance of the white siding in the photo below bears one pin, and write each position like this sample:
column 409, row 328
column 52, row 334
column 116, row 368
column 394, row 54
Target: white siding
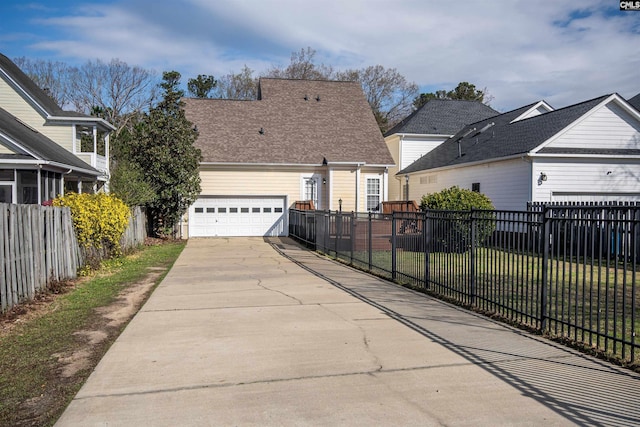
column 412, row 149
column 586, row 180
column 608, row 127
column 406, row 150
column 506, row 183
column 393, row 144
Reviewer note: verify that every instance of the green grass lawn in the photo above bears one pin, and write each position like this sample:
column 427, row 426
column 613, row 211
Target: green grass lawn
column 32, row 391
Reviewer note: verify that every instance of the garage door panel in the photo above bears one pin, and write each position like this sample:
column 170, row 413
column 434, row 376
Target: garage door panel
column 238, row 216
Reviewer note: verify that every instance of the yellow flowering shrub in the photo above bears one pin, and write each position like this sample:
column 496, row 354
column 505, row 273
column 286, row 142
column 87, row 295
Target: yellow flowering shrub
column 99, row 219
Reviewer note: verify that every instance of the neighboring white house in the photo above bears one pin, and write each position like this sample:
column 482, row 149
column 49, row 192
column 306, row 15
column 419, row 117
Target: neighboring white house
column 584, row 152
column 45, row 150
column 301, row 140
column 425, row 129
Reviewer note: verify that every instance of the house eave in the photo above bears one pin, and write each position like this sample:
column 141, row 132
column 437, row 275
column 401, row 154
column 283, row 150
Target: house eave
column 423, row 135
column 75, row 119
column 15, row 145
column 360, row 164
column 244, row 164
column 584, row 156
column 299, row 165
column 11, row 163
column 461, row 165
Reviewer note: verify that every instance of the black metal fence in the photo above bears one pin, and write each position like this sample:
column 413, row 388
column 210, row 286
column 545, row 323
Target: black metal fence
column 567, row 271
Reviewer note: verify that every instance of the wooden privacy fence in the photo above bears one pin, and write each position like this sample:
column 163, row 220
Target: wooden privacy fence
column 38, row 247
column 136, row 231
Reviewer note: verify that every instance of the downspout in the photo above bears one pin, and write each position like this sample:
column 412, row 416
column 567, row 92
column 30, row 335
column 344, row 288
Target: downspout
column 385, row 184
column 330, row 186
column 62, row 181
column 40, row 184
column 359, row 166
column 530, row 180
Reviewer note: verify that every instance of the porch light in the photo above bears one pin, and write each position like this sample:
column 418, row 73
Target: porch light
column 406, row 187
column 543, row 176
column 340, row 204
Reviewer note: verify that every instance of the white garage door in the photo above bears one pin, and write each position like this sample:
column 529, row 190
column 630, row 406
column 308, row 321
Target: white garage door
column 238, row 216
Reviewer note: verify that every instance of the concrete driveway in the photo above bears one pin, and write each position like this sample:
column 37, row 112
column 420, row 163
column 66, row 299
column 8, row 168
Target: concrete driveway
column 245, row 331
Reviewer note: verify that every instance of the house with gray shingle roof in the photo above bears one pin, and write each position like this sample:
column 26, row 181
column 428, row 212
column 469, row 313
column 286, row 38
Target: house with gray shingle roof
column 635, row 101
column 301, row 140
column 44, row 150
column 426, row 128
column 589, row 151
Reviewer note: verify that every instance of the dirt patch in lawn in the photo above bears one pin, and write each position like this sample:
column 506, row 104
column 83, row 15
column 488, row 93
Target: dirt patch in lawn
column 69, row 370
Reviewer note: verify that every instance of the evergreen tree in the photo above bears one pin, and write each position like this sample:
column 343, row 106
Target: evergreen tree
column 201, row 86
column 163, row 146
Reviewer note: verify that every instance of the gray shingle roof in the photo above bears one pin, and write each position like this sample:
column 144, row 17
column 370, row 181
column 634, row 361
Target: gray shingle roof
column 42, row 147
column 635, row 101
column 443, row 117
column 503, row 138
column 334, row 122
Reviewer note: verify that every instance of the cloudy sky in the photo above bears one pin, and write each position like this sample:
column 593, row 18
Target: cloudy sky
column 521, row 51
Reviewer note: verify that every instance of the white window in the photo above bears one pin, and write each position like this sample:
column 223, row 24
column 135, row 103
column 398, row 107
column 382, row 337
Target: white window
column 373, row 193
column 310, row 190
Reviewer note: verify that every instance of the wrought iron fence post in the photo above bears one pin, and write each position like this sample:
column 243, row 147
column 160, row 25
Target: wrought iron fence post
column 338, row 230
column 352, row 232
column 425, row 249
column 369, row 244
column 327, row 231
column 472, row 259
column 393, row 246
column 546, row 233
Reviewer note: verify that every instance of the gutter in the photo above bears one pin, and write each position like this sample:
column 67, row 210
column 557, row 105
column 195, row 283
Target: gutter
column 587, row 156
column 261, row 164
column 422, row 135
column 461, row 165
column 358, row 164
column 82, row 119
column 13, row 163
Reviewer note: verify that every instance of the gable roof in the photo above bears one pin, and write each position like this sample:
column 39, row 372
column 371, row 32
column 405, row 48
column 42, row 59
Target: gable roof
column 635, row 102
column 302, row 122
column 443, row 117
column 30, row 144
column 500, row 136
column 39, row 99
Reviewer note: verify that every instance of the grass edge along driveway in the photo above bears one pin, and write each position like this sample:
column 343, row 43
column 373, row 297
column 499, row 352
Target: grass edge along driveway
column 51, row 349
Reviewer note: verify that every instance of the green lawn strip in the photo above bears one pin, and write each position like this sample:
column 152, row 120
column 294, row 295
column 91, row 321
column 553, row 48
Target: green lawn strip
column 28, row 365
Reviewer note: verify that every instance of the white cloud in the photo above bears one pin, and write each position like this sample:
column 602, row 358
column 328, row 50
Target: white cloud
column 521, row 51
